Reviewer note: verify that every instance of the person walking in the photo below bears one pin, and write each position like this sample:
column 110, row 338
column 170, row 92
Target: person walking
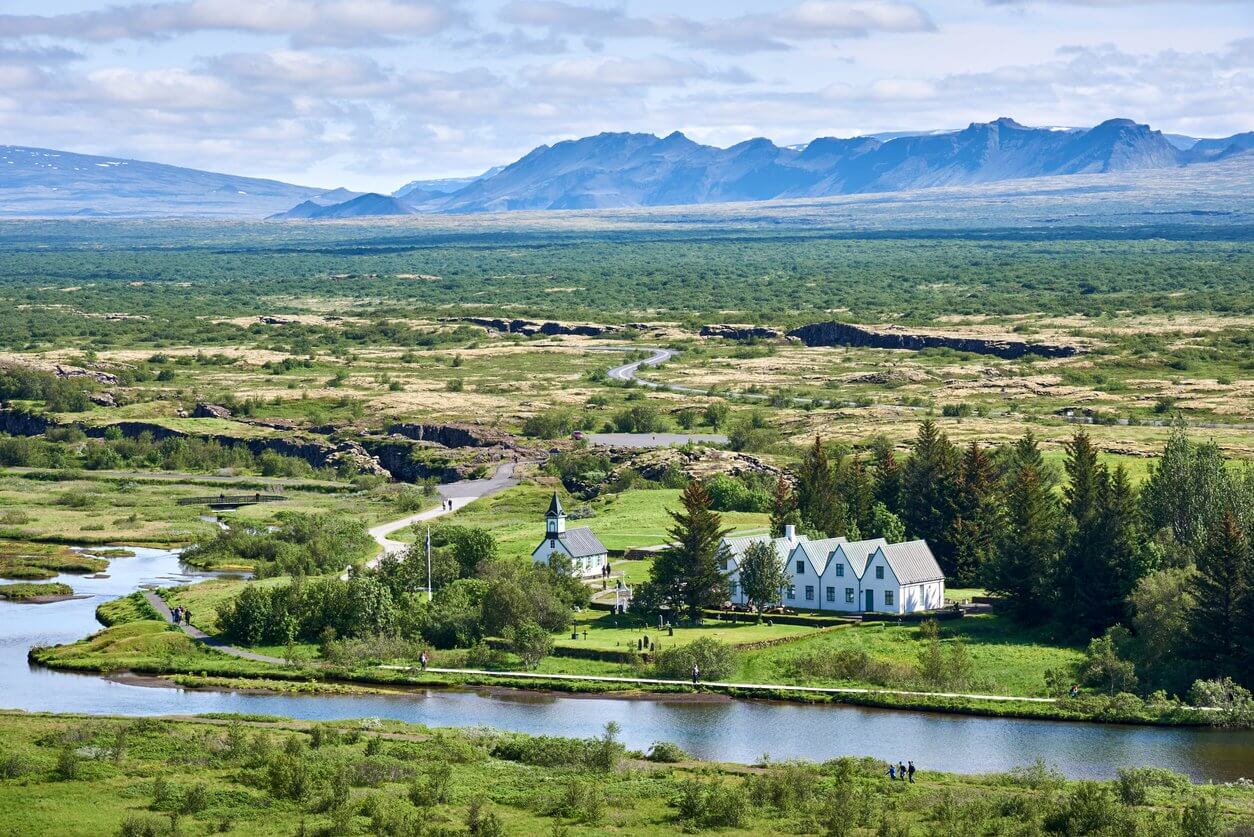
column 910, row 771
column 696, row 673
column 187, row 617
column 892, row 772
column 901, row 771
column 422, row 660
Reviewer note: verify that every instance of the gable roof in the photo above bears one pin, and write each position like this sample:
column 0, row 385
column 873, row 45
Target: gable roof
column 581, row 543
column 736, row 545
column 857, row 553
column 912, row 562
column 817, row 552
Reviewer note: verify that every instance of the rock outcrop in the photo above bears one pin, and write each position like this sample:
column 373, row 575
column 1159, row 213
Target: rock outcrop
column 211, row 411
column 531, row 327
column 845, row 334
column 450, row 435
column 741, row 332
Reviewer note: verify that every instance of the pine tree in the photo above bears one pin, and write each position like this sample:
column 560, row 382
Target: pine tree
column 1220, row 616
column 689, row 575
column 858, row 494
column 1084, row 585
column 887, row 475
column 783, row 508
column 978, row 515
column 1027, row 553
column 818, row 502
column 927, row 492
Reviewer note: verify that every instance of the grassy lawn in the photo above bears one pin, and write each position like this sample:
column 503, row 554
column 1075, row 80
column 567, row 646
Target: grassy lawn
column 1007, row 659
column 607, row 631
column 631, row 519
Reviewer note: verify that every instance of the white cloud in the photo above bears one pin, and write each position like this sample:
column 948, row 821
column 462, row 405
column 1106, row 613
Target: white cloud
column 625, row 73
column 305, row 21
column 811, row 20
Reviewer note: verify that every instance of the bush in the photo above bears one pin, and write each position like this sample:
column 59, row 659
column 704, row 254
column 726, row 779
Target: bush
column 666, row 752
column 530, row 642
column 712, row 804
column 432, row 787
column 143, row 825
column 1133, row 783
column 715, row 659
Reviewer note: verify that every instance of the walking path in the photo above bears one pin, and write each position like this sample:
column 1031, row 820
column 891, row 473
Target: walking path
column 197, row 634
column 717, row 684
column 460, row 493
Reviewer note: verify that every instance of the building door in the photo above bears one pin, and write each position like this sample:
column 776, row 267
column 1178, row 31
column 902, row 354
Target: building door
column 870, row 600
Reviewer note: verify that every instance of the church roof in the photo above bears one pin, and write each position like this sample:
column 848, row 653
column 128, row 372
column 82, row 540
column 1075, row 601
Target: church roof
column 555, row 507
column 581, row 543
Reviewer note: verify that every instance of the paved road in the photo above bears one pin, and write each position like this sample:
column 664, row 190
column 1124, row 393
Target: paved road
column 460, row 493
column 654, row 440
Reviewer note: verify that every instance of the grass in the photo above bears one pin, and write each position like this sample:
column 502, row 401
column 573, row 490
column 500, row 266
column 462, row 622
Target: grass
column 634, row 518
column 34, row 561
column 91, row 775
column 607, row 631
column 132, row 608
column 1007, row 659
column 25, row 591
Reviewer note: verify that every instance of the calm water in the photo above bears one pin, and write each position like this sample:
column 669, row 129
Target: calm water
column 728, row 730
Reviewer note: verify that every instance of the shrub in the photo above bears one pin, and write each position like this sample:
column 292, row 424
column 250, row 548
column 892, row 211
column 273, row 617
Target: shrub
column 1133, row 783
column 712, row 804
column 68, row 767
column 715, row 659
column 432, row 787
column 14, row 765
column 530, row 642
column 666, row 752
column 143, row 825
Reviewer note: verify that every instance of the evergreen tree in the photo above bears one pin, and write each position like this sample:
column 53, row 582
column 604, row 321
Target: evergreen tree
column 927, row 492
column 1220, row 616
column 887, row 475
column 1027, row 552
column 689, row 575
column 977, row 522
column 762, row 575
column 858, row 494
column 783, row 508
column 1084, row 587
column 1189, row 491
column 819, row 504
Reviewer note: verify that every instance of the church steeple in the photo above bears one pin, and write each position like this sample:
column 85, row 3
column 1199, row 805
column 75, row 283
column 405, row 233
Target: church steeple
column 555, row 518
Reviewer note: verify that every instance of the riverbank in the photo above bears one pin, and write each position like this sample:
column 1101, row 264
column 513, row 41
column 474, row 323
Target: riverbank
column 151, row 647
column 96, row 775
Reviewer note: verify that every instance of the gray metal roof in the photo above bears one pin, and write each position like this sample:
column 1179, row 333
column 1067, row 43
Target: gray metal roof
column 736, row 545
column 819, row 551
column 581, row 543
column 859, row 552
column 912, row 562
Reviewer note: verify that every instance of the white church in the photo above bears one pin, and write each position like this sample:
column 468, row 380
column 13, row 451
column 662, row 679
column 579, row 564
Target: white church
column 836, row 574
column 584, row 550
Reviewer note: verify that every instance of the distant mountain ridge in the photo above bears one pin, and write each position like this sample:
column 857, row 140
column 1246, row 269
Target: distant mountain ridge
column 613, row 170
column 621, row 170
column 42, row 182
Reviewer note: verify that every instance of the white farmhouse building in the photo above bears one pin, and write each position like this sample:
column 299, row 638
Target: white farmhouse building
column 836, row 574
column 586, row 553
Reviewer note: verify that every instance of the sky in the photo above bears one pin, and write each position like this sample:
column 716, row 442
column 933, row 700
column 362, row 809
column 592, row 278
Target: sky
column 370, row 94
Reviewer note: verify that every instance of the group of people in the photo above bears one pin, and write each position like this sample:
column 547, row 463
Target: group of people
column 181, row 616
column 901, row 771
column 446, row 504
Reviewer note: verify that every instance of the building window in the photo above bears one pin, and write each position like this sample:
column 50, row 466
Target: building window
column 831, row 594
column 888, row 598
column 801, row 567
column 731, row 588
column 552, row 543
column 849, row 595
column 840, row 570
column 879, row 573
column 809, row 592
column 792, row 592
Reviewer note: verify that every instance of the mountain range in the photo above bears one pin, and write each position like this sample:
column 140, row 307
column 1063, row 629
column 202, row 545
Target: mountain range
column 612, row 170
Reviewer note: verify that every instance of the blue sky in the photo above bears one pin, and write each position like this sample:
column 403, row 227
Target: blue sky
column 372, row 93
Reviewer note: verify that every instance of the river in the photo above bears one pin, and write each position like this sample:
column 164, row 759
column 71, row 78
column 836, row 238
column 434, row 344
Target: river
column 729, row 730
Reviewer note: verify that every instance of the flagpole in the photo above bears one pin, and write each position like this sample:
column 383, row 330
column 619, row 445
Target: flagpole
column 428, row 563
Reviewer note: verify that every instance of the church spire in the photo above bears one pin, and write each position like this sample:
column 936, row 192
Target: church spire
column 555, row 518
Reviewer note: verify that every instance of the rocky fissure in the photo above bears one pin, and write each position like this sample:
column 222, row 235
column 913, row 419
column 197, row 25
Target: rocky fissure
column 846, row 334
